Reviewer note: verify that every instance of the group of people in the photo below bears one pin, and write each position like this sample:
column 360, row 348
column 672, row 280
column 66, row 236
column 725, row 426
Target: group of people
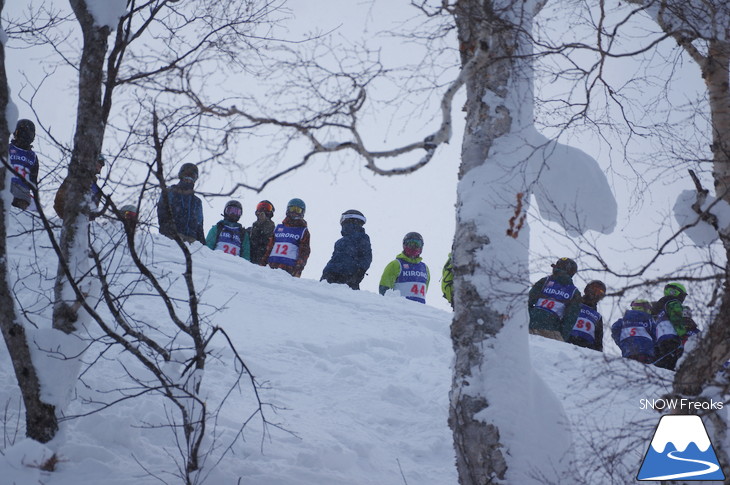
column 651, row 333
column 286, row 245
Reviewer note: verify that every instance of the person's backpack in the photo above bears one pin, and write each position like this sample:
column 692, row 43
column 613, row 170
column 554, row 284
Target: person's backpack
column 447, row 281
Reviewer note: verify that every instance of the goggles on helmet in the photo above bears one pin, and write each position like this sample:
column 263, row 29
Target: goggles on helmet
column 129, row 215
column 295, row 210
column 356, row 217
column 413, row 243
column 264, row 207
column 233, row 210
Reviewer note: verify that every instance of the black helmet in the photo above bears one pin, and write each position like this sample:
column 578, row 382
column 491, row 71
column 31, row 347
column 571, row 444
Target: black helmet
column 353, row 217
column 265, row 206
column 412, row 236
column 232, row 211
column 189, row 171
column 567, row 265
column 595, row 290
column 24, row 134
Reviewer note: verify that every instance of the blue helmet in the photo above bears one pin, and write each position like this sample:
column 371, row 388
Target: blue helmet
column 296, row 208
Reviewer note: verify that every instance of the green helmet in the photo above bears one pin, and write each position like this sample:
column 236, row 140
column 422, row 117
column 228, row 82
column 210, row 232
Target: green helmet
column 676, row 290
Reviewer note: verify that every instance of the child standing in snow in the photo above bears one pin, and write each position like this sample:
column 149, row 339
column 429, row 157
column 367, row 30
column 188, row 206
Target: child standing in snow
column 407, row 273
column 25, row 162
column 634, row 332
column 554, row 300
column 261, row 231
column 288, row 248
column 352, row 255
column 587, row 331
column 228, row 235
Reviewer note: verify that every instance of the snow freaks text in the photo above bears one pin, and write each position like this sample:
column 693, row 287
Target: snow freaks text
column 680, row 404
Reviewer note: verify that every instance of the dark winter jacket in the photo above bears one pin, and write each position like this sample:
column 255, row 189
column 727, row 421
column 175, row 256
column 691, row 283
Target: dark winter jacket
column 587, row 330
column 180, row 211
column 261, row 232
column 351, row 257
column 303, row 249
column 244, row 250
column 546, row 318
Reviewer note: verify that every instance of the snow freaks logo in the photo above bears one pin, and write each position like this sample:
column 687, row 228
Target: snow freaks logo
column 680, row 449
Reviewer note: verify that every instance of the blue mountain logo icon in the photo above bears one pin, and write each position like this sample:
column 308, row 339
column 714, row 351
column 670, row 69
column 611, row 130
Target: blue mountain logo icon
column 680, row 449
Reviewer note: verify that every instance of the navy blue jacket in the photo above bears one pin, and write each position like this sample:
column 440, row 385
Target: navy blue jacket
column 351, row 257
column 187, row 213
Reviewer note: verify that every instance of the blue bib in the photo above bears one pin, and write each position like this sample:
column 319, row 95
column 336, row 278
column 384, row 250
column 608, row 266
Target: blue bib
column 22, row 161
column 585, row 325
column 411, row 281
column 286, row 244
column 229, row 240
column 554, row 296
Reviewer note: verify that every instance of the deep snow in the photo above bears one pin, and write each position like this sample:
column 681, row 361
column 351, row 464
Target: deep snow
column 360, row 383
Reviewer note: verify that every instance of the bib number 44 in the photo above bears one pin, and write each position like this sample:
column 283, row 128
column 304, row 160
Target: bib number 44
column 418, row 290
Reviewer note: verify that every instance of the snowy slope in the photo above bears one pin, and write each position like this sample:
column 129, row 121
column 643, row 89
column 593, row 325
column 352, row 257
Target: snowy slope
column 360, row 383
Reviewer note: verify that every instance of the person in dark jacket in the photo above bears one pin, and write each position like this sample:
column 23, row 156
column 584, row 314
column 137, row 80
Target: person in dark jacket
column 261, row 231
column 554, row 300
column 670, row 329
column 25, row 162
column 587, row 330
column 288, row 248
column 179, row 210
column 96, row 194
column 352, row 255
column 634, row 332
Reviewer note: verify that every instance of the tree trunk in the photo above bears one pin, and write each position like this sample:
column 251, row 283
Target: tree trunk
column 40, row 418
column 482, row 251
column 88, row 140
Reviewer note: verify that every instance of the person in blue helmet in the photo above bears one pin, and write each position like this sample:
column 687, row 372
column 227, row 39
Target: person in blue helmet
column 352, row 255
column 587, row 331
column 25, row 162
column 288, row 248
column 670, row 328
column 228, row 235
column 407, row 273
column 179, row 210
column 554, row 302
column 634, row 333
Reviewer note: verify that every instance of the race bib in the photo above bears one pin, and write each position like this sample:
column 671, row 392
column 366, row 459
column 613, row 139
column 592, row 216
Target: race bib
column 550, row 305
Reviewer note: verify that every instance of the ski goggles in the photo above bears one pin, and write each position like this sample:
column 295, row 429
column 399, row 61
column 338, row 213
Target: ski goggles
column 264, row 207
column 233, row 210
column 413, row 244
column 295, row 210
column 356, row 217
